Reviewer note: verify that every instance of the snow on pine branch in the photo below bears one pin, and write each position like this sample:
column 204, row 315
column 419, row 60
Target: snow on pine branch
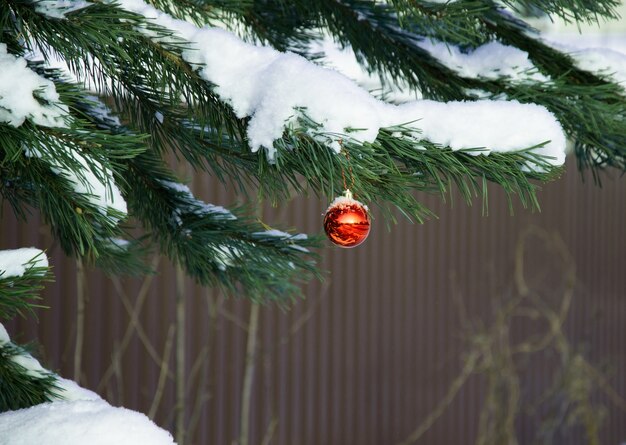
column 606, row 57
column 342, row 59
column 269, row 87
column 58, row 8
column 602, row 61
column 24, row 94
column 76, row 416
column 101, row 193
column 191, row 204
column 16, row 262
column 284, row 236
column 492, row 60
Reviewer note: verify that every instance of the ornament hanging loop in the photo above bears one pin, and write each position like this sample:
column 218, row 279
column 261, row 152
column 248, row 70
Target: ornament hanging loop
column 343, row 175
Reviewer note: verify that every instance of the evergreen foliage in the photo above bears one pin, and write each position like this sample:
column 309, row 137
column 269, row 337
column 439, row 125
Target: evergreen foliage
column 166, row 108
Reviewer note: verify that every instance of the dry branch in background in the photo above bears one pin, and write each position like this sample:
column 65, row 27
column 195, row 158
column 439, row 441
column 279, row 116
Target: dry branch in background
column 500, row 360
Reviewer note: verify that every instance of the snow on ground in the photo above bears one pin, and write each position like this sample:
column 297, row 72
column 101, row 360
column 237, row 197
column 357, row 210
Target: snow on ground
column 83, row 422
column 78, row 417
column 268, row 86
column 15, row 262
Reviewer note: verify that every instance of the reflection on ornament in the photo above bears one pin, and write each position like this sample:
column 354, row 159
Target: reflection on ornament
column 347, row 221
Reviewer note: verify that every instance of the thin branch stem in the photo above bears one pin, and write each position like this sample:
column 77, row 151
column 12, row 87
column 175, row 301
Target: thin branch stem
column 80, row 319
column 180, row 357
column 167, row 350
column 246, row 396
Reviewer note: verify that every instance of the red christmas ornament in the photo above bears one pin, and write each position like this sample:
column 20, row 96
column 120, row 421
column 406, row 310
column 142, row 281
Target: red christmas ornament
column 347, row 221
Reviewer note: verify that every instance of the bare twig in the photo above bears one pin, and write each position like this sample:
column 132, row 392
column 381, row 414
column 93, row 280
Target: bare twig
column 80, row 319
column 246, row 395
column 116, row 364
column 203, row 395
column 269, row 433
column 133, row 323
column 468, row 368
column 167, row 350
column 226, row 314
column 181, row 398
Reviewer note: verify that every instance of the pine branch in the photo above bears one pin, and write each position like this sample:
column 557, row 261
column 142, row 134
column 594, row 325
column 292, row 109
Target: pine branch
column 101, row 43
column 573, row 95
column 589, row 11
column 396, row 163
column 214, row 246
column 20, row 294
column 18, row 387
column 31, row 160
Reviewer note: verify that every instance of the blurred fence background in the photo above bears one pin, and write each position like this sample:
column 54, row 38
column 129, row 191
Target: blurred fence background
column 374, row 352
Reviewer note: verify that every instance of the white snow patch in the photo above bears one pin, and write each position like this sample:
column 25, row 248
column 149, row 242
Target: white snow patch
column 270, row 86
column 466, row 125
column 120, row 243
column 58, row 8
column 70, row 391
column 13, row 263
column 609, row 62
column 492, row 60
column 345, row 200
column 602, row 61
column 4, row 335
column 603, row 54
column 92, row 422
column 26, row 95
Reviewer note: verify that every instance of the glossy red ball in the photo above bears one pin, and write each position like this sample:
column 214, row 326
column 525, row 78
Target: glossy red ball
column 347, row 222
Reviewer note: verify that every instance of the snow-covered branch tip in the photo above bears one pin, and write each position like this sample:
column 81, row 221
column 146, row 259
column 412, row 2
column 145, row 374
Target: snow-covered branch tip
column 268, row 86
column 16, row 262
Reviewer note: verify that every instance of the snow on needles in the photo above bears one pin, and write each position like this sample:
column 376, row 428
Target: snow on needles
column 269, row 87
column 15, row 262
column 587, row 56
column 492, row 60
column 58, row 8
column 602, row 61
